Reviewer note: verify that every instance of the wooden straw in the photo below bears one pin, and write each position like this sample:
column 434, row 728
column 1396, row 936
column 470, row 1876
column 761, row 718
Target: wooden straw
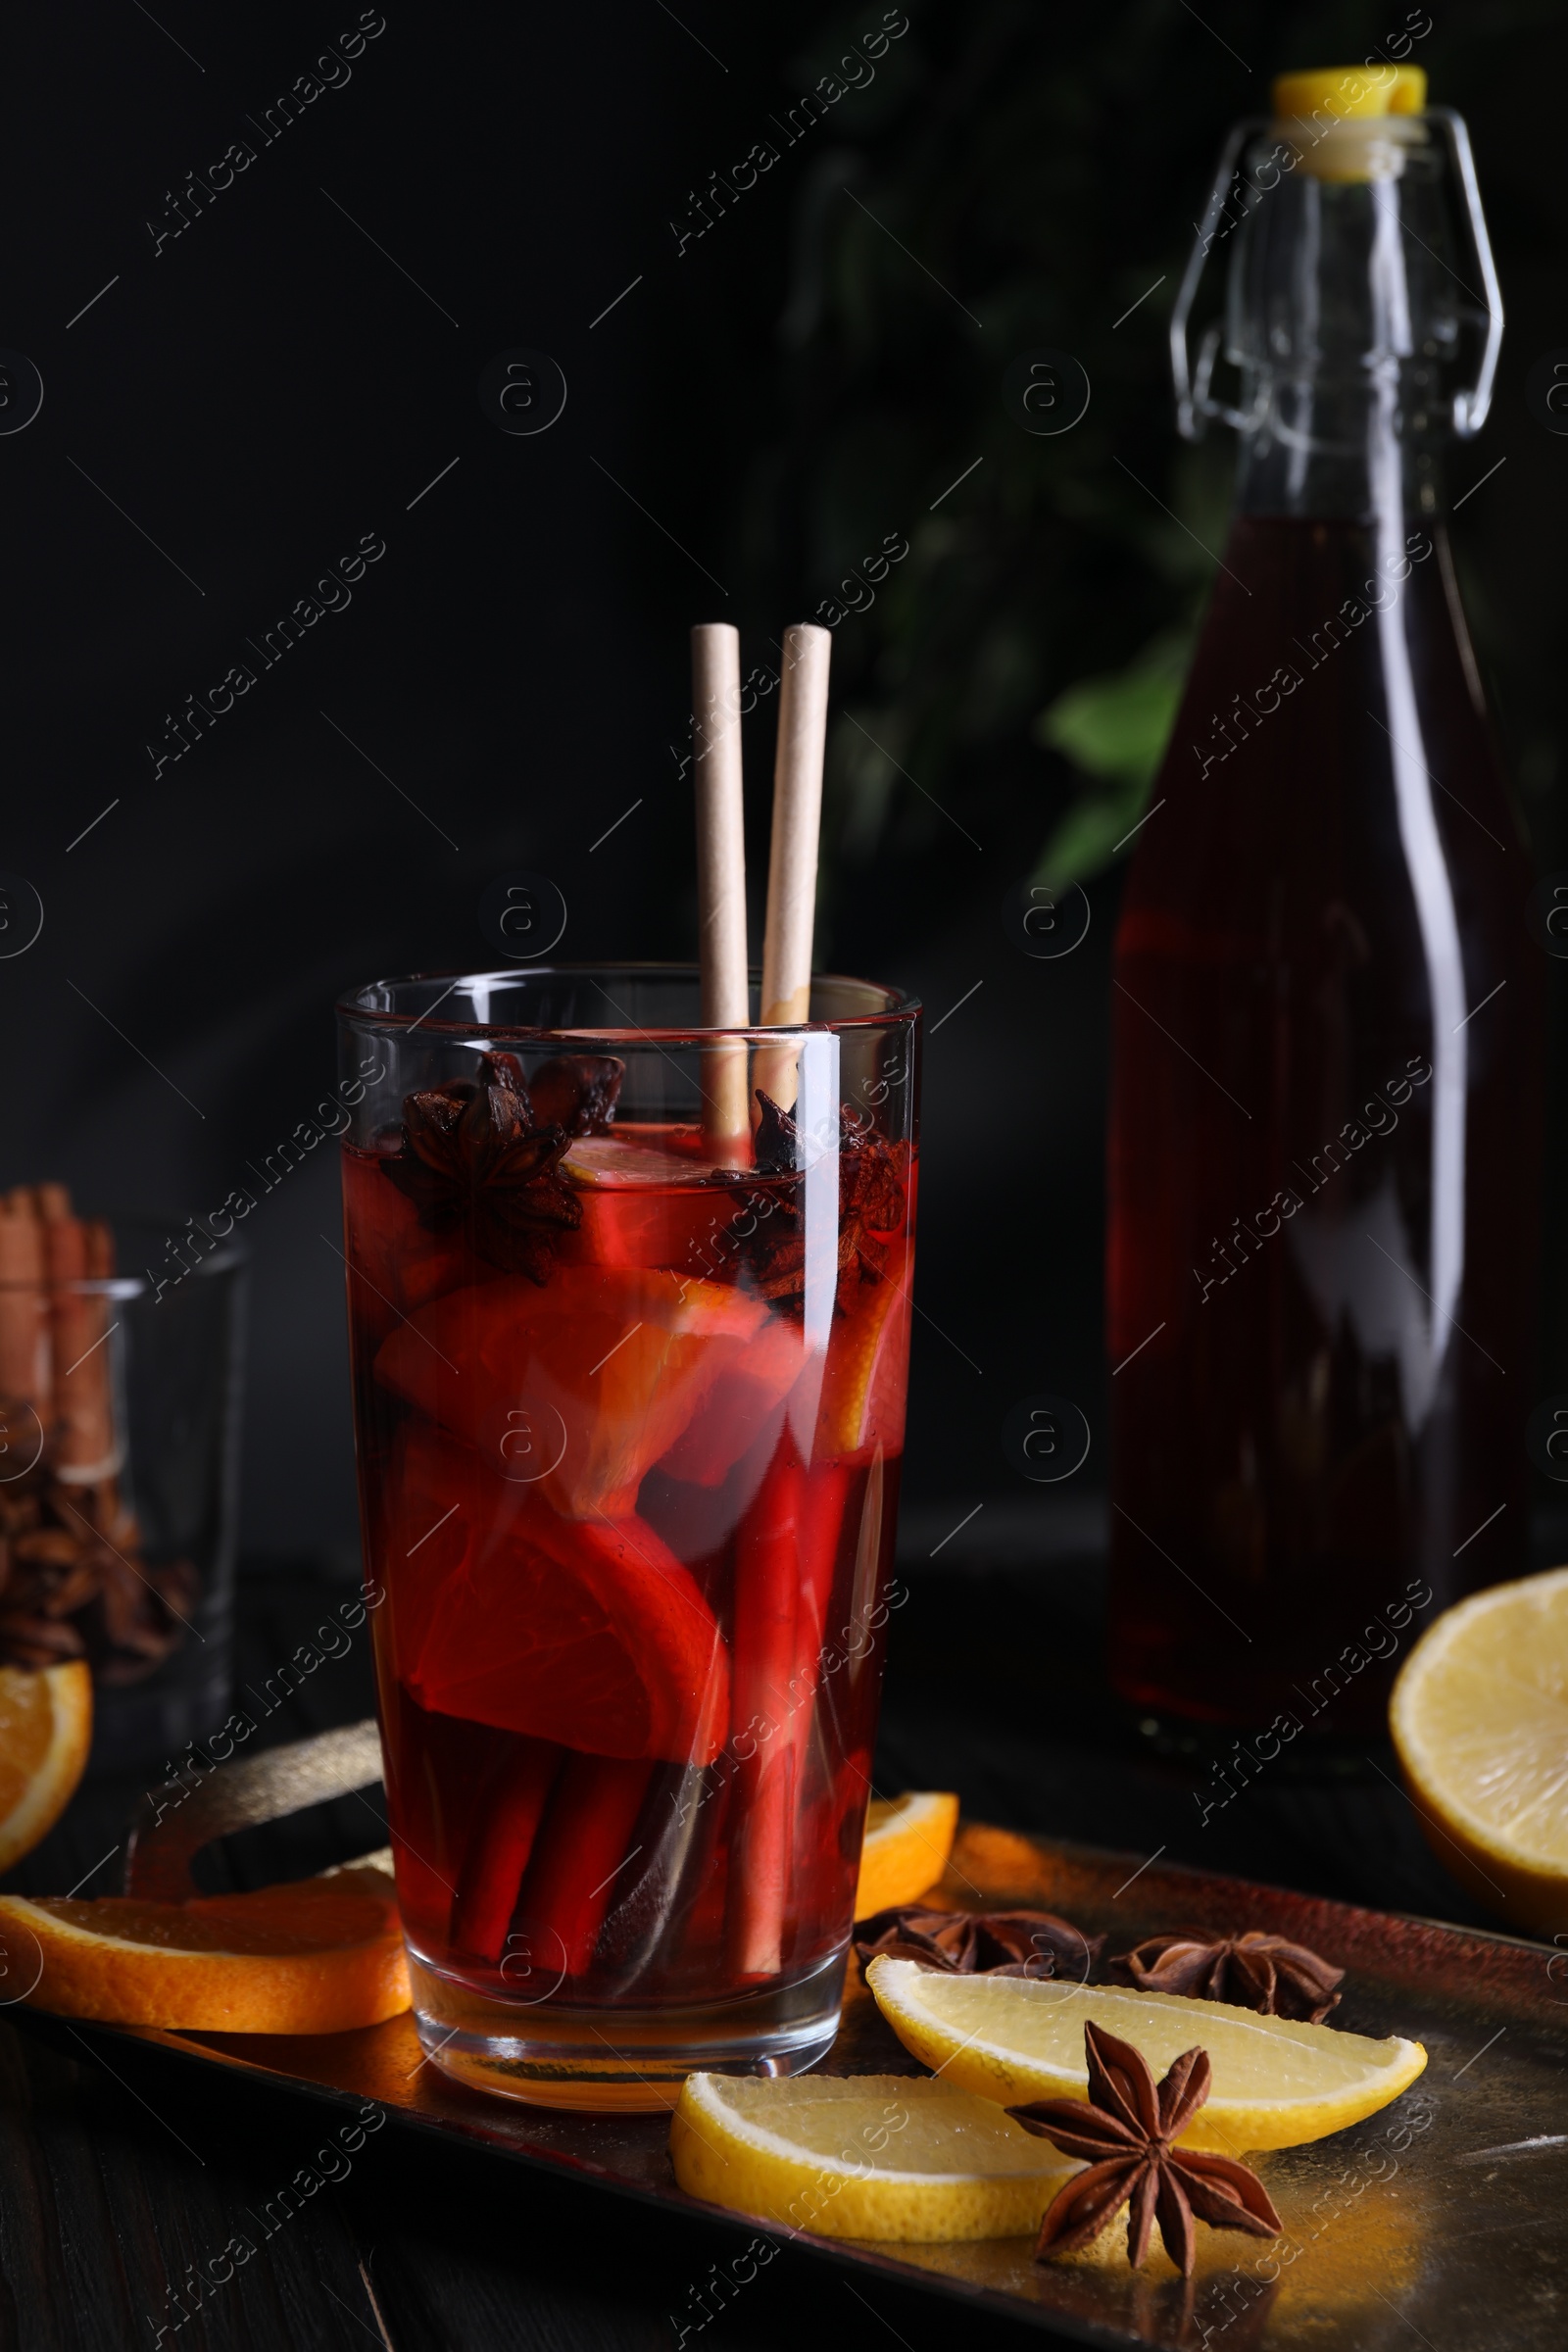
column 775, row 1562
column 721, row 885
column 792, row 864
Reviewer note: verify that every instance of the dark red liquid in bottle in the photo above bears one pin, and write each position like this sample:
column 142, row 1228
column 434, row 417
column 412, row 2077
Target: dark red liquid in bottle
column 1323, row 1144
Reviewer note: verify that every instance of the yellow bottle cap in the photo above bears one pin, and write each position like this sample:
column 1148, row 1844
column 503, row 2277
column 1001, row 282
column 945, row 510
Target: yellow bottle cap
column 1350, row 92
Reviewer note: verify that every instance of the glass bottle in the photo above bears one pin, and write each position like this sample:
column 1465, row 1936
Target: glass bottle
column 1326, row 1095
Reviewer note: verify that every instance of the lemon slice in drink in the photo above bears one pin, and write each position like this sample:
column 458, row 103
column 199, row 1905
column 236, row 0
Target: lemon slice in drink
column 1276, row 2082
column 888, row 2156
column 907, row 1841
column 1480, row 1720
column 613, row 1159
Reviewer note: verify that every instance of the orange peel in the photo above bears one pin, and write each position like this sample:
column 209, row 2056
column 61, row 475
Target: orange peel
column 322, row 1956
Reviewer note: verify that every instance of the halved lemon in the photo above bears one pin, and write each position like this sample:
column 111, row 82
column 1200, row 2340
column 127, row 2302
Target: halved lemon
column 318, row 1957
column 45, row 1733
column 907, row 1842
column 1480, row 1720
column 888, row 2156
column 1009, row 2038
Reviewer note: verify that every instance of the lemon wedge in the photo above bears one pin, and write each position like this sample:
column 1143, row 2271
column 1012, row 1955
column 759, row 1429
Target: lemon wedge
column 907, row 1841
column 882, row 2156
column 1008, row 2038
column 1480, row 1720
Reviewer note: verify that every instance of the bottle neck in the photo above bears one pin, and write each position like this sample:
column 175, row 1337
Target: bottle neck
column 1342, row 322
column 1339, row 451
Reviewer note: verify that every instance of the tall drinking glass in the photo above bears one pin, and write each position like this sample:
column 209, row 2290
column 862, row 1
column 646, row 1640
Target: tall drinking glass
column 629, row 1419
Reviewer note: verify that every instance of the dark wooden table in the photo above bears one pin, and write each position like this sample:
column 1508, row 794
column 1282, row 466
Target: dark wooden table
column 112, row 2186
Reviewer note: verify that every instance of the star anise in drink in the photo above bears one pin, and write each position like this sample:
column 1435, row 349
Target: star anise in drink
column 577, row 1091
column 873, row 1192
column 1128, row 2131
column 1253, row 1970
column 474, row 1156
column 979, row 1943
column 776, row 1145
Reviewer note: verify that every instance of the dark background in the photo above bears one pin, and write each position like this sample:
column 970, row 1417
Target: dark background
column 755, row 415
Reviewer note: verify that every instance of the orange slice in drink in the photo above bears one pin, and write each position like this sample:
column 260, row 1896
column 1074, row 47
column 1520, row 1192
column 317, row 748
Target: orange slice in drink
column 45, row 1733
column 394, row 1263
column 319, row 1957
column 752, row 1380
column 862, row 1404
column 611, row 1361
column 586, row 1631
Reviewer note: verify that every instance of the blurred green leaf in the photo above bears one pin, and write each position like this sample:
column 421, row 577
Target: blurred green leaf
column 1114, row 730
column 1118, row 726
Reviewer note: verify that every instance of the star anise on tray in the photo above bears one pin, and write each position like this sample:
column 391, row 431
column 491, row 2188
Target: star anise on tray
column 978, row 1944
column 71, row 1584
column 1128, row 2131
column 476, row 1156
column 1253, row 1970
column 873, row 1191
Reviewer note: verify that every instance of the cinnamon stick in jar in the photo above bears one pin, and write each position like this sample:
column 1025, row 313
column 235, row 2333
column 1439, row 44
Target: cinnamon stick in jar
column 23, row 1310
column 84, row 1446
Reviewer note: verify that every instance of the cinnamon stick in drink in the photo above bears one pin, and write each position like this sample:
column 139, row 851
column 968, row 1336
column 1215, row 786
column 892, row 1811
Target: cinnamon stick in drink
column 821, row 1524
column 767, row 1584
column 580, row 1852
column 500, row 1848
column 786, row 1550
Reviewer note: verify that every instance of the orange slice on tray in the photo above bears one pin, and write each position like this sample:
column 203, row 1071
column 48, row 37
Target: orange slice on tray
column 588, row 1632
column 609, row 1363
column 319, row 1957
column 45, row 1733
column 907, row 1842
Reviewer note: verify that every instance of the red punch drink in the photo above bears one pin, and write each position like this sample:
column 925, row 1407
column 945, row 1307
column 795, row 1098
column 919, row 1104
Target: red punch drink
column 630, row 1426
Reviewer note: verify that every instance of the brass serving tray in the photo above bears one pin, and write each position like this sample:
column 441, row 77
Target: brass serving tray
column 1443, row 2222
